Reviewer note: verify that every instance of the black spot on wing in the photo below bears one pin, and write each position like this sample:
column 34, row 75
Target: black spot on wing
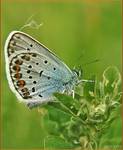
column 40, row 95
column 33, row 89
column 28, row 49
column 28, row 71
column 41, row 72
column 34, row 82
column 34, row 55
column 29, row 66
column 45, row 61
column 48, row 78
column 30, row 77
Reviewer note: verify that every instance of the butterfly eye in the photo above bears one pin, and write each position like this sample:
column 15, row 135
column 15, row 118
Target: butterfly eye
column 78, row 73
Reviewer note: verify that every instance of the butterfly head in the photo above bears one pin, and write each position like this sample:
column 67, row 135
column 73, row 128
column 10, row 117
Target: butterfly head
column 78, row 72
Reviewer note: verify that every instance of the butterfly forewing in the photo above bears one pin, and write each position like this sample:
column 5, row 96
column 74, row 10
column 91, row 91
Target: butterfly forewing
column 34, row 73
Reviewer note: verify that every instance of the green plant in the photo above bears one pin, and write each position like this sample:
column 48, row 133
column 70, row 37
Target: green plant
column 81, row 122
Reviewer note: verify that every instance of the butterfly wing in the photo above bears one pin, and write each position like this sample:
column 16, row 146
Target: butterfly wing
column 33, row 71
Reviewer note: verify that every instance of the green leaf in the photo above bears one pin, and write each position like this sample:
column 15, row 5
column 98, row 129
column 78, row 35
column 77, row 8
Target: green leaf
column 56, row 114
column 57, row 142
column 83, row 121
column 111, row 80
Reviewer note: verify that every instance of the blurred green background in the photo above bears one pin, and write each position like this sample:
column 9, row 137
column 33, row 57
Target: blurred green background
column 90, row 29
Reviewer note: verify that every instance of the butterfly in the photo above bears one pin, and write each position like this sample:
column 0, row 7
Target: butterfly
column 34, row 73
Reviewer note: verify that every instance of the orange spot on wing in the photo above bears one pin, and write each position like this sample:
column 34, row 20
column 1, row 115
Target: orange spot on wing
column 19, row 62
column 16, row 68
column 18, row 76
column 21, row 83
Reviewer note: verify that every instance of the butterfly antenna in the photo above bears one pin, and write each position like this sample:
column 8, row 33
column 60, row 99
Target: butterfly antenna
column 84, row 64
column 91, row 62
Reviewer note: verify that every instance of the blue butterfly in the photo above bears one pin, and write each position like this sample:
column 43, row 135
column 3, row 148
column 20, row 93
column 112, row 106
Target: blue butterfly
column 34, row 73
